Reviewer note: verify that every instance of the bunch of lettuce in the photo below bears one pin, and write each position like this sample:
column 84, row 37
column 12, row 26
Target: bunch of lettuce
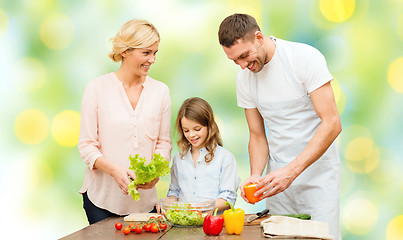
column 158, row 167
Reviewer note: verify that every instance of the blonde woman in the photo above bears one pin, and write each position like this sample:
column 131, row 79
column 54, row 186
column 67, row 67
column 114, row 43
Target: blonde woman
column 202, row 168
column 124, row 113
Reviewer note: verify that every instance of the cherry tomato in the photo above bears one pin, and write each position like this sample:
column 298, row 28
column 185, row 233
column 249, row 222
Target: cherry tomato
column 131, row 226
column 154, row 228
column 147, row 227
column 138, row 229
column 118, row 225
column 152, row 217
column 126, row 230
column 160, row 217
column 163, row 226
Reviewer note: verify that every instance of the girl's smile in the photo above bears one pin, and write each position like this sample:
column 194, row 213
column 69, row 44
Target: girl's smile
column 194, row 132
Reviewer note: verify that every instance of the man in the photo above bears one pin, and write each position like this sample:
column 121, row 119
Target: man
column 287, row 86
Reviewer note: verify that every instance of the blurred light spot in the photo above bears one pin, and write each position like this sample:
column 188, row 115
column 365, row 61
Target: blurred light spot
column 360, row 216
column 4, row 22
column 389, row 169
column 395, row 229
column 337, row 10
column 339, row 96
column 31, row 126
column 362, row 156
column 399, row 27
column 66, row 128
column 395, row 75
column 44, row 176
column 57, row 31
column 29, row 74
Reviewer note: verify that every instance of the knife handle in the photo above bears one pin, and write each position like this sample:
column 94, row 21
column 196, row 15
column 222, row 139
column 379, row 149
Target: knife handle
column 264, row 212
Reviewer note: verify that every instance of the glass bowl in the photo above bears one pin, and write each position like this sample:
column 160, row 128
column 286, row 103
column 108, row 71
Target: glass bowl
column 186, row 212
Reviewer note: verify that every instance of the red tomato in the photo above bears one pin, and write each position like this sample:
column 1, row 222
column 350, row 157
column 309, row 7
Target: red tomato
column 131, row 226
column 147, row 227
column 138, row 229
column 154, row 228
column 160, row 217
column 152, row 217
column 163, row 226
column 118, row 225
column 126, row 230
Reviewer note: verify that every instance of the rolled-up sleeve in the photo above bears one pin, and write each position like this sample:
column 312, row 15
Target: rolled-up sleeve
column 164, row 142
column 88, row 144
column 229, row 179
column 174, row 188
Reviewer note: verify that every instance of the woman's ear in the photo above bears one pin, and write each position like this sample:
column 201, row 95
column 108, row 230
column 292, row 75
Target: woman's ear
column 124, row 53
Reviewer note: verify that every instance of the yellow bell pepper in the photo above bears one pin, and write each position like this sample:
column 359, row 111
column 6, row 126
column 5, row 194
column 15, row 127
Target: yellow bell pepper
column 234, row 219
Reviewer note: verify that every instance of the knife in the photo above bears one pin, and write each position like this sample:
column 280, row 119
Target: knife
column 257, row 215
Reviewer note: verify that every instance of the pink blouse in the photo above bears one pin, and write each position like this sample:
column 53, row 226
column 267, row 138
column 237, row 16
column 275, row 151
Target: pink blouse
column 112, row 129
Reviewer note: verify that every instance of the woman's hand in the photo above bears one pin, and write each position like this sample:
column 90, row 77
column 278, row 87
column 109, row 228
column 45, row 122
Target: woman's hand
column 149, row 185
column 251, row 179
column 121, row 177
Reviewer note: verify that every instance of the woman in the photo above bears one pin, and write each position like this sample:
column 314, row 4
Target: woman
column 124, row 113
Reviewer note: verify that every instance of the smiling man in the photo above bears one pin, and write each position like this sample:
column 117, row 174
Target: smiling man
column 287, row 86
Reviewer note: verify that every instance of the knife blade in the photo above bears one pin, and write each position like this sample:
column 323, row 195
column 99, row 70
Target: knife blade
column 257, row 215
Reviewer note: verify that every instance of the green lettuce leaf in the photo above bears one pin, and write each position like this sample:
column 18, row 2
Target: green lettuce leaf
column 158, row 167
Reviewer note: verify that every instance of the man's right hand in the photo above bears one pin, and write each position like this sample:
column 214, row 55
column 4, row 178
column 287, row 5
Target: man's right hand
column 251, row 179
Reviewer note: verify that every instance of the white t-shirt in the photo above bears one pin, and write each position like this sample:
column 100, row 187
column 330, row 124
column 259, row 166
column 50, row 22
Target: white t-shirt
column 304, row 62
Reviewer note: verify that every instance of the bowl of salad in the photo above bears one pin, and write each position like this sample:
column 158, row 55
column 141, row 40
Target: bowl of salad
column 186, row 212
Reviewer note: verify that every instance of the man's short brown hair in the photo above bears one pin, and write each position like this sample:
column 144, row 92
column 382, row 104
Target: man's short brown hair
column 235, row 27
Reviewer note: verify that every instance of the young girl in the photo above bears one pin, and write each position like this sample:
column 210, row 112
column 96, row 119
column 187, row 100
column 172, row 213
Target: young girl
column 202, row 168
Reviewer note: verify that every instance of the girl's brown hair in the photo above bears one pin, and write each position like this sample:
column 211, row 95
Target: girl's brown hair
column 198, row 110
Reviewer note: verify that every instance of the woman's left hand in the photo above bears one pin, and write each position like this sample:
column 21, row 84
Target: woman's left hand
column 149, row 185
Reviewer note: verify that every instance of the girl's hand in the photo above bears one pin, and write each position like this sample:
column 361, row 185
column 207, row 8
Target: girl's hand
column 121, row 177
column 251, row 179
column 149, row 185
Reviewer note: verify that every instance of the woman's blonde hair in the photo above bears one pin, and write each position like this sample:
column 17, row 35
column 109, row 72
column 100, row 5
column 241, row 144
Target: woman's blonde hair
column 136, row 33
column 198, row 110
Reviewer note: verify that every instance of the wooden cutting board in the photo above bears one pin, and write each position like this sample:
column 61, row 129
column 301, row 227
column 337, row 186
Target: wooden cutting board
column 256, row 221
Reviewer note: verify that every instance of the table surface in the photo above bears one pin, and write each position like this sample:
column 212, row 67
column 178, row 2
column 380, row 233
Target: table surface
column 105, row 229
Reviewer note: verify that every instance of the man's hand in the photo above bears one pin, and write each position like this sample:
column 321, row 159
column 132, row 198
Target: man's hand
column 275, row 182
column 251, row 179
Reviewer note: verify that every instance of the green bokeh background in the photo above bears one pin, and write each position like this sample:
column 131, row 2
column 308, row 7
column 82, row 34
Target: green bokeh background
column 50, row 50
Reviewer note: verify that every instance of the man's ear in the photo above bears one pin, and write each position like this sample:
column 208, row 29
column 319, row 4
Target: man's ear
column 259, row 37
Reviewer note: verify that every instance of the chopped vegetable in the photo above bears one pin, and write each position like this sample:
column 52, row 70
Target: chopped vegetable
column 158, row 167
column 185, row 217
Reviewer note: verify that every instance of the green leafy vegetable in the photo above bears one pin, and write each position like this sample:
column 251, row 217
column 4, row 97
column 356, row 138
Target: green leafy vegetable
column 185, row 217
column 158, row 167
